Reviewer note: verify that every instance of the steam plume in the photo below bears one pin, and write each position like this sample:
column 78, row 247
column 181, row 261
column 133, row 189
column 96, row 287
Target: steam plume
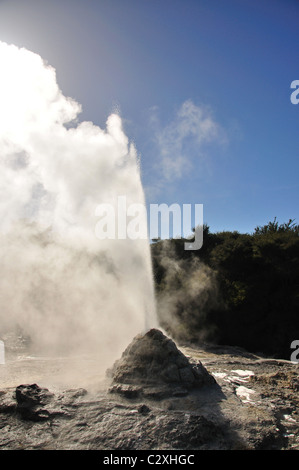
column 187, row 292
column 64, row 287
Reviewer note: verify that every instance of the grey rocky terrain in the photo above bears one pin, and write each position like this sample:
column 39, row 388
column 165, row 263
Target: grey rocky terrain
column 203, row 397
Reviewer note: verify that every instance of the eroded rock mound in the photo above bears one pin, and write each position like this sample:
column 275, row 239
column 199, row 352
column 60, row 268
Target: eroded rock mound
column 153, row 366
column 31, row 401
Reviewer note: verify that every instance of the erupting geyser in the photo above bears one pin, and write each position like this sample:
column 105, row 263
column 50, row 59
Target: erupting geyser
column 66, row 289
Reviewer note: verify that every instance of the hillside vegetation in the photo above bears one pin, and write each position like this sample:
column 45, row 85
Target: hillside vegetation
column 238, row 289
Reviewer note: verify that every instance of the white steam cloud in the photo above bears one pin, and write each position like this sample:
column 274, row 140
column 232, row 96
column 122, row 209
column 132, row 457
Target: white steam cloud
column 184, row 144
column 186, row 294
column 65, row 288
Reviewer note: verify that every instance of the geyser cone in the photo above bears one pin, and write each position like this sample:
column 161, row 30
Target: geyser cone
column 153, row 365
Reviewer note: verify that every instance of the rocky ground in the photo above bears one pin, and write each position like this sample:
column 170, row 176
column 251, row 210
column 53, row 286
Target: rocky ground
column 250, row 403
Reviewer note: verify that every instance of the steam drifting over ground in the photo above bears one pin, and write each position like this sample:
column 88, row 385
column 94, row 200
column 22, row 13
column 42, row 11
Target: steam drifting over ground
column 187, row 292
column 65, row 288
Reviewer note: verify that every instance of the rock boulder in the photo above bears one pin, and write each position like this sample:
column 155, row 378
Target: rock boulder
column 152, row 365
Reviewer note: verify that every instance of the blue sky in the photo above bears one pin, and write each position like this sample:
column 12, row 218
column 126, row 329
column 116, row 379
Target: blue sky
column 202, row 86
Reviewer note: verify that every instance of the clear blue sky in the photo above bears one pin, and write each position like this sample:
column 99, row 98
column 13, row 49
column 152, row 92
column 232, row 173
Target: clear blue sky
column 203, row 87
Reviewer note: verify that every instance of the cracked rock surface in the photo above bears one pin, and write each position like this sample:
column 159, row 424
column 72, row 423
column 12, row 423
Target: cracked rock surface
column 152, row 365
column 251, row 403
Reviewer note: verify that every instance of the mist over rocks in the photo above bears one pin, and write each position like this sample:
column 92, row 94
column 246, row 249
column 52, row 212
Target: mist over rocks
column 152, row 365
column 252, row 406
